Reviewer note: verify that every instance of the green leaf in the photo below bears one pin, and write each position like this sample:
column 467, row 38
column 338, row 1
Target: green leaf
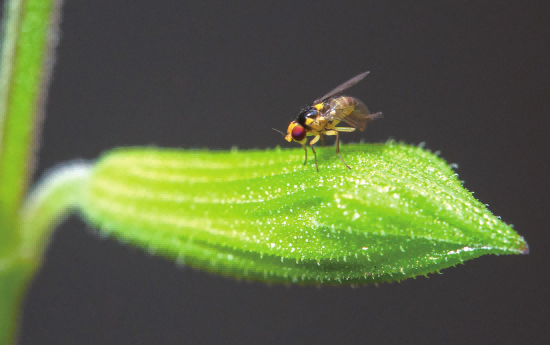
column 261, row 215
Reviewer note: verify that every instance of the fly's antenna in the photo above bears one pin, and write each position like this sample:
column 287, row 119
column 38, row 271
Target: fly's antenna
column 278, row 131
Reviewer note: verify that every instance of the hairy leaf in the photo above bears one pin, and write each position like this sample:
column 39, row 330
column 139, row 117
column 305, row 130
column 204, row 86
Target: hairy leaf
column 400, row 212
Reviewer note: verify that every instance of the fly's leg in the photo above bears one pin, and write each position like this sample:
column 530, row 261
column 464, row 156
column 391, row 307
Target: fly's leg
column 305, row 149
column 344, row 129
column 322, row 141
column 313, row 141
column 335, row 132
column 332, row 124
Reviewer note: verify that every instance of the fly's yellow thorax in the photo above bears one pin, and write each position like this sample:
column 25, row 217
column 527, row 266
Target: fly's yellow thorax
column 319, row 106
column 318, row 125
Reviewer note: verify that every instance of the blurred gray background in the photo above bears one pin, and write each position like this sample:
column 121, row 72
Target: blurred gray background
column 470, row 79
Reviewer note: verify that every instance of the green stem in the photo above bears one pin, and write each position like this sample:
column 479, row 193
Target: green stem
column 15, row 275
column 53, row 197
column 27, row 58
column 30, row 36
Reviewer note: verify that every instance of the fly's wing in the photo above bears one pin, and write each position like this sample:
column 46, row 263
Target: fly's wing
column 357, row 118
column 342, row 87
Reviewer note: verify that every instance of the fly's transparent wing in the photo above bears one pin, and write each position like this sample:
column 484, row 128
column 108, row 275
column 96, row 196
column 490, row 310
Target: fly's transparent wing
column 351, row 111
column 342, row 87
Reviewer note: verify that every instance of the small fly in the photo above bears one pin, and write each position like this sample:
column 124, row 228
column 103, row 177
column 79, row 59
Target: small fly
column 321, row 117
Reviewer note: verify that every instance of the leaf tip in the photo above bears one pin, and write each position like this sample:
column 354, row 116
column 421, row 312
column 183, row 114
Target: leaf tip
column 525, row 249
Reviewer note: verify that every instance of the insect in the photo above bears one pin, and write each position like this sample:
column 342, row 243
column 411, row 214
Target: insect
column 321, row 117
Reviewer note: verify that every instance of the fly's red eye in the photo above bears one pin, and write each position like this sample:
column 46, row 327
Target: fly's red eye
column 298, row 133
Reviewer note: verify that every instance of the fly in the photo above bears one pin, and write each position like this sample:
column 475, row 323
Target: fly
column 323, row 115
